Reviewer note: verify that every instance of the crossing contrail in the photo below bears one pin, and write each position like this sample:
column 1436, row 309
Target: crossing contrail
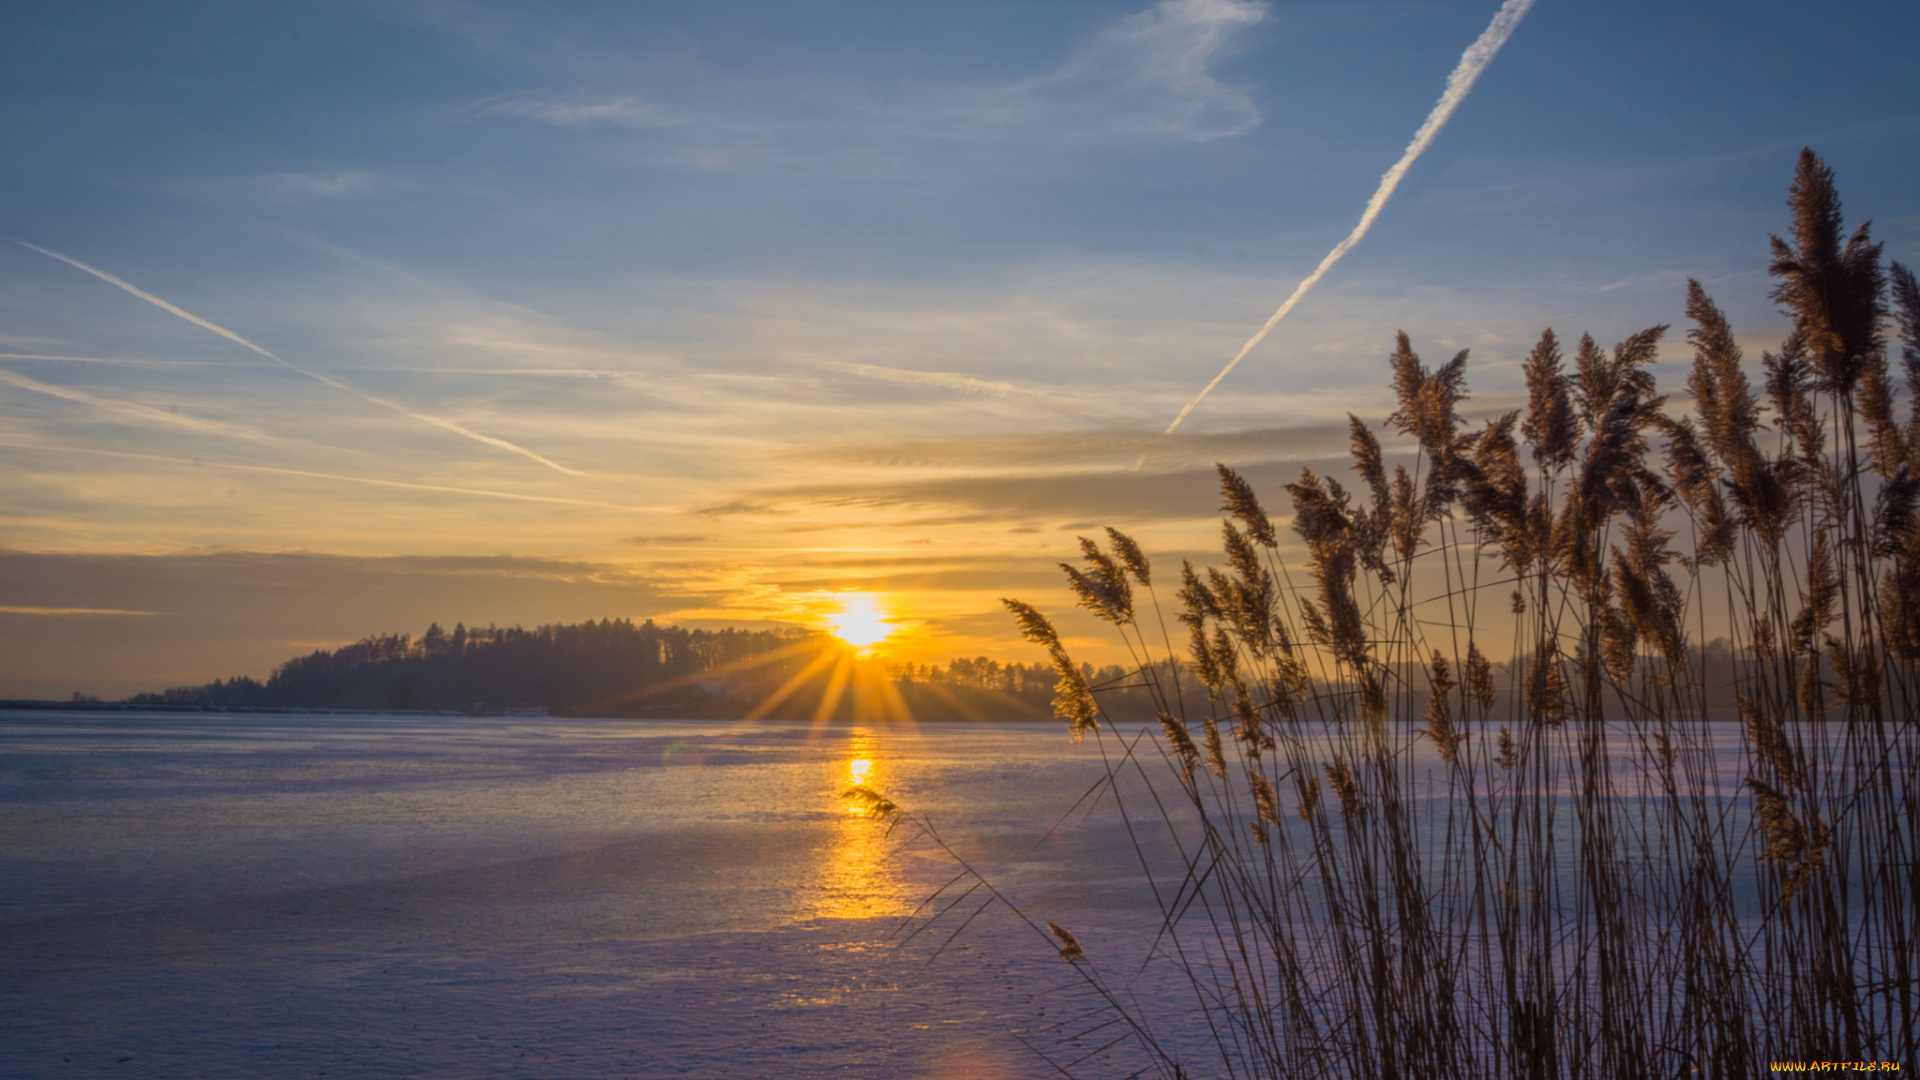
column 329, row 380
column 1472, row 63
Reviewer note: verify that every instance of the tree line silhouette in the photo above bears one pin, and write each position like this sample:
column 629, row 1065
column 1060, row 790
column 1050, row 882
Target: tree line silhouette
column 492, row 668
column 617, row 667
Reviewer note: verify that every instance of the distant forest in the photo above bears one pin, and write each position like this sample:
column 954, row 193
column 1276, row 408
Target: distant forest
column 616, row 667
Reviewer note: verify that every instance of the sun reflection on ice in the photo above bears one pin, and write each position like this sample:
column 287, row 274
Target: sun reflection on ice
column 858, row 877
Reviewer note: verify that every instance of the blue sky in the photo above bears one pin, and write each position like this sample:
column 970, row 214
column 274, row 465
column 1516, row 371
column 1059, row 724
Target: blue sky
column 804, row 297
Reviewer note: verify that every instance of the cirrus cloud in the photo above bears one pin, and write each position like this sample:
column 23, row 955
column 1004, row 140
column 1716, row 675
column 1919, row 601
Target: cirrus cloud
column 1154, row 73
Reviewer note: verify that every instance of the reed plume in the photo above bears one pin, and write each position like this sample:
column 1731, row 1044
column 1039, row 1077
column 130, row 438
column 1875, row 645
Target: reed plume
column 1072, row 700
column 1673, row 832
column 1069, row 945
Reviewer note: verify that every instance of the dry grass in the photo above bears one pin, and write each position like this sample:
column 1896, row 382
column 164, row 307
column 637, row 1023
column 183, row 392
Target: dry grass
column 1575, row 863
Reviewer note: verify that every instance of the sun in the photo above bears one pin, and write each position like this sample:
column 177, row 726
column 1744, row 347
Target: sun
column 860, row 621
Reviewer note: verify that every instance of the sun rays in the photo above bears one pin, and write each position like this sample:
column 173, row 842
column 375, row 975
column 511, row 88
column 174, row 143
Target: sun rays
column 852, row 666
column 820, row 676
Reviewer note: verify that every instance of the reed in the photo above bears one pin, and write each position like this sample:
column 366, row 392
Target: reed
column 1628, row 851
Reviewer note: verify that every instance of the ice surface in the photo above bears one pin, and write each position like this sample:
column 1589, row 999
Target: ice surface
column 241, row 896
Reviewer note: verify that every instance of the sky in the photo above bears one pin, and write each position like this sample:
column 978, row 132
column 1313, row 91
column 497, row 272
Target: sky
column 326, row 319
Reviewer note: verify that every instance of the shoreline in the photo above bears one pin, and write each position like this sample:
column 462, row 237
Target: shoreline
column 529, row 712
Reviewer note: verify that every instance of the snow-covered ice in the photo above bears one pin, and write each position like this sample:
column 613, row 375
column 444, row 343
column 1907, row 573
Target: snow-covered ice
column 242, row 896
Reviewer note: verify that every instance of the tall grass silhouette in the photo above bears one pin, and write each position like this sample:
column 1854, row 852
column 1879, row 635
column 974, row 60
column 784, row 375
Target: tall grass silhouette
column 1627, row 849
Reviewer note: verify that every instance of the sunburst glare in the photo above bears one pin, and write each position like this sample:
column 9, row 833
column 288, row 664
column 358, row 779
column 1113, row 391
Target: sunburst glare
column 861, row 621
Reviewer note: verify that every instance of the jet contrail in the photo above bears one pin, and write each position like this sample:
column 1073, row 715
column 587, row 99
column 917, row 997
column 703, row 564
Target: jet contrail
column 329, row 380
column 1472, row 63
column 128, row 408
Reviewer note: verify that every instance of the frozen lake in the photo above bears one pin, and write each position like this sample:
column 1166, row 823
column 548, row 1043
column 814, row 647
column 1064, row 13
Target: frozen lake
column 252, row 896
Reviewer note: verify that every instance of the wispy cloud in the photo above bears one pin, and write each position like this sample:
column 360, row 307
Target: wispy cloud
column 1662, row 279
column 670, row 540
column 344, row 478
column 301, row 185
column 28, row 609
column 1465, row 73
column 750, row 508
column 1061, row 451
column 576, row 110
column 448, row 425
column 1154, row 72
column 404, row 485
column 1111, row 495
column 945, row 380
column 115, row 361
column 329, row 185
column 130, row 409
